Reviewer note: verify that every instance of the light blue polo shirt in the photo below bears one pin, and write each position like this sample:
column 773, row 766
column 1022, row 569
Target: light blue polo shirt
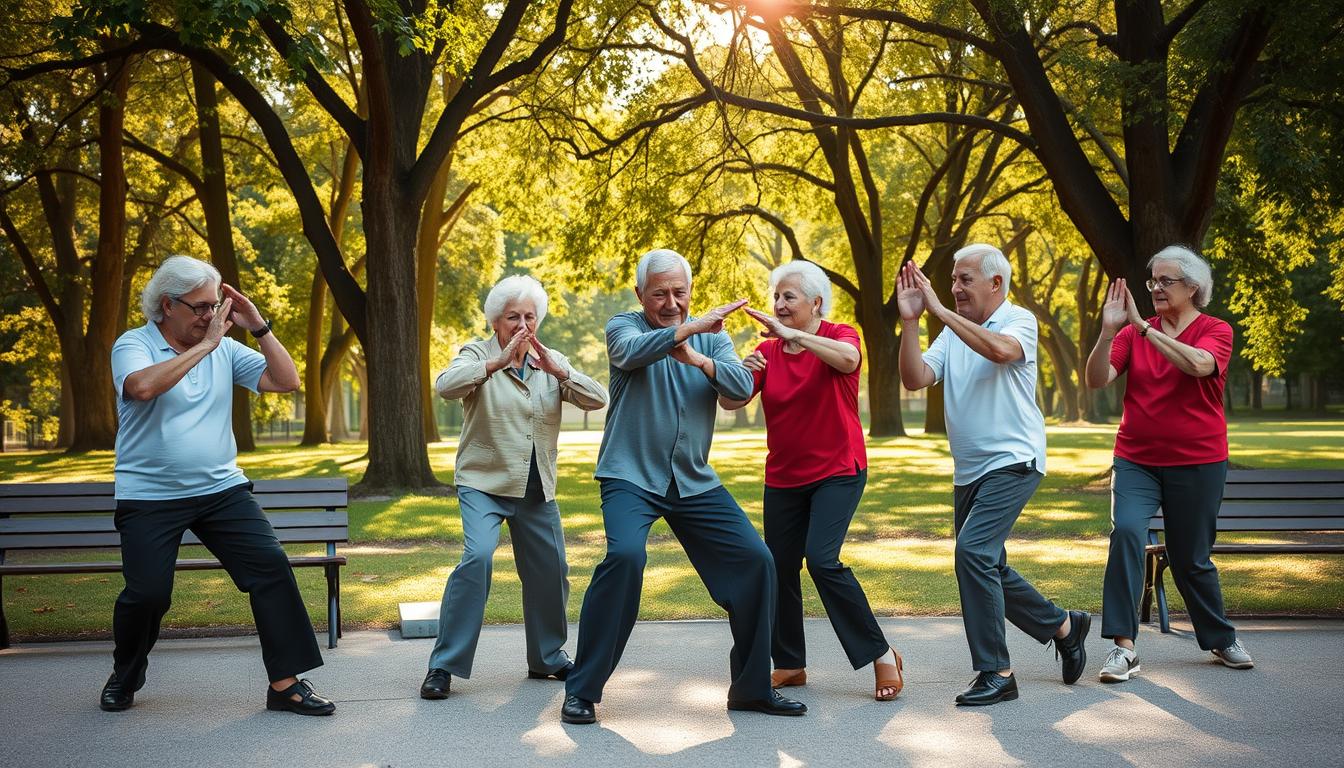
column 991, row 413
column 180, row 444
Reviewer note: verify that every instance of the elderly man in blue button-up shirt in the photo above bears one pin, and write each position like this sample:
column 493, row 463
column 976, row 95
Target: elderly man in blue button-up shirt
column 667, row 372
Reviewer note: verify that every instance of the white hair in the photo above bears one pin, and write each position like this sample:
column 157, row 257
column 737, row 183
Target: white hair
column 511, row 289
column 811, row 280
column 992, row 262
column 658, row 261
column 1194, row 269
column 175, row 277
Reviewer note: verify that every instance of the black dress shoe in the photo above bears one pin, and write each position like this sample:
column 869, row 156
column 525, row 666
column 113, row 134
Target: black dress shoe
column 116, row 696
column 776, row 704
column 1072, row 648
column 988, row 688
column 436, row 684
column 559, row 674
column 309, row 703
column 577, row 711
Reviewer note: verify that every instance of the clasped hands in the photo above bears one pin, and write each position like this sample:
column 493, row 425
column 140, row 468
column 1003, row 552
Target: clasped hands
column 514, row 352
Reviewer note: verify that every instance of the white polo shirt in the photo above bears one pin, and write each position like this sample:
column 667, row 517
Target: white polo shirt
column 992, row 418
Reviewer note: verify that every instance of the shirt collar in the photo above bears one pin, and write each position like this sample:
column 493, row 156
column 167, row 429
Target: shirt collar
column 997, row 316
column 156, row 337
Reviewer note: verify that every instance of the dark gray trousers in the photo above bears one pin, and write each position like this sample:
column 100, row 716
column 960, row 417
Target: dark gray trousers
column 990, row 589
column 1189, row 497
column 810, row 522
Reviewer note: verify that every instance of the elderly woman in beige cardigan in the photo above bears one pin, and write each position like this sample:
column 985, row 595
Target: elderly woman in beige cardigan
column 511, row 386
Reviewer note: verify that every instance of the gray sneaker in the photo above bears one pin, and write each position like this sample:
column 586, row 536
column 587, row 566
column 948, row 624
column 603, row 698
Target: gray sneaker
column 1234, row 656
column 1121, row 664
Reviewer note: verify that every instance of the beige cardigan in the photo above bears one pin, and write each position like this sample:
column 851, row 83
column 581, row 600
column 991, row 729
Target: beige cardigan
column 505, row 418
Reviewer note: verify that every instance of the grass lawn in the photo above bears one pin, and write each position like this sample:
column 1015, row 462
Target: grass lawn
column 899, row 546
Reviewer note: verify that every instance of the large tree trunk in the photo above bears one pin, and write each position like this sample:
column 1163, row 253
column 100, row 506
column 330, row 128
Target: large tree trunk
column 219, row 226
column 397, row 455
column 882, row 346
column 96, row 421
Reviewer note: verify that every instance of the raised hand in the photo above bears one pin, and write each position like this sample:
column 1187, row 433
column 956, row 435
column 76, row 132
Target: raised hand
column 712, row 321
column 1114, row 313
column 245, row 313
column 545, row 361
column 774, row 329
column 683, row 354
column 754, row 362
column 513, row 350
column 220, row 323
column 909, row 295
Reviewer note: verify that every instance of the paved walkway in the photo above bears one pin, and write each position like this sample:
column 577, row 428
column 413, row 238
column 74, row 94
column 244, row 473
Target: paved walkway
column 203, row 706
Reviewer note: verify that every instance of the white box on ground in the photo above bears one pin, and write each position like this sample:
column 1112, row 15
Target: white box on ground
column 419, row 619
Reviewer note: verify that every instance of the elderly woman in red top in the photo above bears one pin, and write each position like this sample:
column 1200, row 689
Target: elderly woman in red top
column 807, row 373
column 1170, row 451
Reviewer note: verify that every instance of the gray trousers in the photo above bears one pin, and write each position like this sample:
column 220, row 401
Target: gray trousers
column 538, row 551
column 1190, row 497
column 990, row 589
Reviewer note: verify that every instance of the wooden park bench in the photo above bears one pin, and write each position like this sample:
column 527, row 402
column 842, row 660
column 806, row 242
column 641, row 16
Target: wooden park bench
column 71, row 516
column 1300, row 501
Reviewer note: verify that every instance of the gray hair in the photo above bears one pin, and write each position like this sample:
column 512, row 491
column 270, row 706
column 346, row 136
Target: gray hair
column 511, row 289
column 658, row 261
column 992, row 262
column 1194, row 269
column 811, row 279
column 176, row 276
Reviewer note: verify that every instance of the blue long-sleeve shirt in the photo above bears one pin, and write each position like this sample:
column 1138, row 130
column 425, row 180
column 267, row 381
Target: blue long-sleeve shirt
column 660, row 422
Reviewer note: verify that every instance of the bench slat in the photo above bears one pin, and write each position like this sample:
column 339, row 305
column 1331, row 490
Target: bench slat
column 1324, row 491
column 112, row 566
column 1235, row 476
column 272, row 485
column 90, row 540
column 103, row 523
column 1279, row 549
column 17, row 505
column 1303, row 524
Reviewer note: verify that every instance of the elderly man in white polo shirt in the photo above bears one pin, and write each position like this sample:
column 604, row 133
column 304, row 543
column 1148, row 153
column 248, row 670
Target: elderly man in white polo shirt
column 986, row 359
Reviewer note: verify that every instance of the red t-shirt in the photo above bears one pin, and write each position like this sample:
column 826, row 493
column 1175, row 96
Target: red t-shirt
column 1171, row 418
column 812, row 427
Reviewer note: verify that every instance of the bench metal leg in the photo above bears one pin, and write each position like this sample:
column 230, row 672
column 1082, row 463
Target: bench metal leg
column 1163, row 618
column 1146, row 606
column 333, row 606
column 4, row 625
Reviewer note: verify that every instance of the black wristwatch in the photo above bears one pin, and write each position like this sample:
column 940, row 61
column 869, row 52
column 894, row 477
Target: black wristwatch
column 262, row 331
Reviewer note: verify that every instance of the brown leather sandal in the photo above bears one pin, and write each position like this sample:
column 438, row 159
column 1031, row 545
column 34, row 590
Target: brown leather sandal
column 889, row 676
column 788, row 678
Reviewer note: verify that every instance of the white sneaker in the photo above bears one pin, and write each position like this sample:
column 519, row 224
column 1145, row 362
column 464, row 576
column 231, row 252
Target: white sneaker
column 1121, row 664
column 1234, row 656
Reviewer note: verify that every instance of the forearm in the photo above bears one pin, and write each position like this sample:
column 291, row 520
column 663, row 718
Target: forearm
column 992, row 346
column 915, row 374
column 152, row 381
column 842, row 356
column 461, row 378
column 280, row 368
column 630, row 349
column 1189, row 360
column 581, row 390
column 1099, row 372
column 729, row 404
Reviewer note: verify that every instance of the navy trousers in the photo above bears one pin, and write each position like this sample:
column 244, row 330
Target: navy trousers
column 729, row 557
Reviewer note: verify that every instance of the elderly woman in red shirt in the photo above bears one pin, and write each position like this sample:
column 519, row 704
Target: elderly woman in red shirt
column 1170, row 451
column 807, row 374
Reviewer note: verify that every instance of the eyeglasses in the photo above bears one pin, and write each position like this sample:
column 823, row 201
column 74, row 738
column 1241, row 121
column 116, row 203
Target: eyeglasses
column 1165, row 282
column 201, row 309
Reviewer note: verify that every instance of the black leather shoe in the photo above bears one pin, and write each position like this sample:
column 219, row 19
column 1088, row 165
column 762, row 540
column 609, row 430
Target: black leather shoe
column 309, row 703
column 116, row 696
column 577, row 711
column 988, row 688
column 436, row 684
column 776, row 704
column 1072, row 648
column 559, row 674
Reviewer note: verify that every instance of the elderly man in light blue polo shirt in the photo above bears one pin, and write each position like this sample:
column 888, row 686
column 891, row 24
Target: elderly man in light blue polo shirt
column 667, row 373
column 986, row 359
column 176, row 471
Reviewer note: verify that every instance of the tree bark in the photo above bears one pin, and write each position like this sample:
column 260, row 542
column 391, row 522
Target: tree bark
column 219, row 226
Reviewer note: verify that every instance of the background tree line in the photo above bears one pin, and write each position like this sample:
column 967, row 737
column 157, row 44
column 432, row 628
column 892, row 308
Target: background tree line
column 366, row 170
